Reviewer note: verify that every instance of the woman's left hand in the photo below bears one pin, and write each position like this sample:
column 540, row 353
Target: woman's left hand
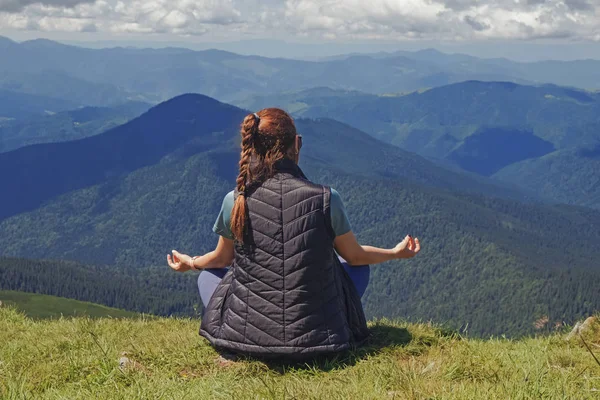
column 408, row 248
column 179, row 262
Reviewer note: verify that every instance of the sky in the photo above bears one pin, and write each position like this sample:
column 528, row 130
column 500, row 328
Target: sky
column 523, row 28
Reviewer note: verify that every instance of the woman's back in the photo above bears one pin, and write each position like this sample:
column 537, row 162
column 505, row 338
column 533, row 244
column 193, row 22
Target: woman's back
column 286, row 293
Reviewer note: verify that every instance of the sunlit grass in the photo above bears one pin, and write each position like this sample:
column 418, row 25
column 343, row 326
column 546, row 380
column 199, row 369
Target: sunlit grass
column 42, row 306
column 78, row 358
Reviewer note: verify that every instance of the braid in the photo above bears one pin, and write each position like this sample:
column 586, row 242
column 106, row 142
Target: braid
column 239, row 212
column 267, row 138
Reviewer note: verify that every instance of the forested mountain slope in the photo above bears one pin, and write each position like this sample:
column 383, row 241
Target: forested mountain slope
column 197, row 125
column 66, row 125
column 129, row 196
column 424, row 121
column 568, row 176
column 481, row 127
column 15, row 105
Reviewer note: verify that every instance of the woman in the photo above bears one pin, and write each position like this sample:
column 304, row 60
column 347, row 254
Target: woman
column 286, row 293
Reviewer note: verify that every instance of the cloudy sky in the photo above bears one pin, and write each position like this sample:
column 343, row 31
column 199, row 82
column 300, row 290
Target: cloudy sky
column 310, row 20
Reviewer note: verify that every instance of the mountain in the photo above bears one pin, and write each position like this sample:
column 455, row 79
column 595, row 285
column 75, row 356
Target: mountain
column 482, row 127
column 582, row 73
column 15, row 105
column 6, row 42
column 108, row 76
column 66, row 125
column 130, row 195
column 58, row 84
column 46, row 171
column 190, row 124
column 568, row 176
column 434, row 122
column 41, row 67
column 487, row 260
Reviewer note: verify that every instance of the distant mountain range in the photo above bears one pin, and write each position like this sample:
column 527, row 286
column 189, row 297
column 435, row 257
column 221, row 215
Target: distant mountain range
column 50, row 127
column 108, row 76
column 128, row 196
column 16, row 105
column 543, row 138
column 190, row 124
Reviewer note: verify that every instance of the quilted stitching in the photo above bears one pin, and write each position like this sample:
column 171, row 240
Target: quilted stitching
column 299, row 301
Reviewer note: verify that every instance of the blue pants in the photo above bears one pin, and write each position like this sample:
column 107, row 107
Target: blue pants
column 209, row 279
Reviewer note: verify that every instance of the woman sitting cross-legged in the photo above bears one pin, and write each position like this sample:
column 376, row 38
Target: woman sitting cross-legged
column 274, row 286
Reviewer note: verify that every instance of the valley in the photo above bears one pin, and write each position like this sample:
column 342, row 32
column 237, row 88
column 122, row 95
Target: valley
column 511, row 133
column 126, row 198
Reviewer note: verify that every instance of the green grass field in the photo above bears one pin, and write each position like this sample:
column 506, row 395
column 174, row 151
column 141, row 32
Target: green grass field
column 42, row 306
column 78, row 358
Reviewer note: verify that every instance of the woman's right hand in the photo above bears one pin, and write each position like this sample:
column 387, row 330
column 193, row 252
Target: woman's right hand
column 408, row 248
column 177, row 262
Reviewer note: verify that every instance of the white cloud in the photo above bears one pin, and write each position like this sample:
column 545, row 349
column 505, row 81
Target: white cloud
column 447, row 19
column 14, row 6
column 341, row 19
column 187, row 17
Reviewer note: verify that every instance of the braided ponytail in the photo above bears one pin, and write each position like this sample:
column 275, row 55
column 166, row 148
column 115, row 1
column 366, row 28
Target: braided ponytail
column 239, row 212
column 267, row 137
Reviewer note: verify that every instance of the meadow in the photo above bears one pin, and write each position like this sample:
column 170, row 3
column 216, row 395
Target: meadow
column 164, row 358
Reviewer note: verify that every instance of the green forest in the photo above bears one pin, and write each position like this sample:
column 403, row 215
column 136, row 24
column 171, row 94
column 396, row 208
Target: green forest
column 151, row 290
column 495, row 260
column 543, row 139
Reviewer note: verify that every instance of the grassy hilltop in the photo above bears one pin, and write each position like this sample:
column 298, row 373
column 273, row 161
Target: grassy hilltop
column 43, row 306
column 79, row 358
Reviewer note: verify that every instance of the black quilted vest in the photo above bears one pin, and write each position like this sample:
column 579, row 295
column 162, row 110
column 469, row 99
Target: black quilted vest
column 286, row 295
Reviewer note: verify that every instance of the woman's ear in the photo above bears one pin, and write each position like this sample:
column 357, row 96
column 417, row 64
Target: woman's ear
column 297, row 149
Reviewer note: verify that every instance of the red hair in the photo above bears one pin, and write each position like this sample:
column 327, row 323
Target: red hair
column 267, row 136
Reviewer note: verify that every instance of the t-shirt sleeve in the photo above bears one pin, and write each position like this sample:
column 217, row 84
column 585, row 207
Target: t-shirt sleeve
column 222, row 225
column 339, row 219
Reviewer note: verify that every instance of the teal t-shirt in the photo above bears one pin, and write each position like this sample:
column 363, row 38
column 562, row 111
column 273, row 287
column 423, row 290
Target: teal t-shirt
column 339, row 218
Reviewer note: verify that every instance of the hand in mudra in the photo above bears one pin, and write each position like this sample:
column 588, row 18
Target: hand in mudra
column 179, row 262
column 408, row 248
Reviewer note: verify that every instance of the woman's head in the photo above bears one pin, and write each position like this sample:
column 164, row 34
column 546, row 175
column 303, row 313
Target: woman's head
column 268, row 136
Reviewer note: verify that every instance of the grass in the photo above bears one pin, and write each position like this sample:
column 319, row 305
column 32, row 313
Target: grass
column 78, row 358
column 42, row 306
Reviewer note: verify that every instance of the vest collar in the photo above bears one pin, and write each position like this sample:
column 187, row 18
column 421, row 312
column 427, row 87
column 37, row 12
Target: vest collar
column 288, row 166
column 284, row 165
